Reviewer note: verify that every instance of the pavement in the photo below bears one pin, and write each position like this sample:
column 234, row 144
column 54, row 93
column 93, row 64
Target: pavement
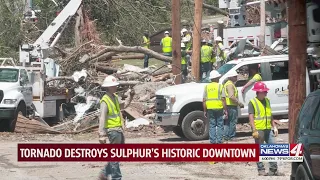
column 11, row 169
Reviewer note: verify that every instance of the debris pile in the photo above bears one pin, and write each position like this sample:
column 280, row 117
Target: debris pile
column 136, row 92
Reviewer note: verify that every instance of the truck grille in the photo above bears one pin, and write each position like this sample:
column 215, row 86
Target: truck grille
column 1, row 95
column 160, row 104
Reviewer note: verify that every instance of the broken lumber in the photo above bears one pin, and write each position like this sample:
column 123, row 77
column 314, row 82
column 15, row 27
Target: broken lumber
column 133, row 113
column 162, row 77
column 124, row 83
column 25, row 125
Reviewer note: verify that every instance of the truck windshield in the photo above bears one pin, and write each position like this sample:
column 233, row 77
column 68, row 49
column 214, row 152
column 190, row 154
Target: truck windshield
column 9, row 75
column 225, row 68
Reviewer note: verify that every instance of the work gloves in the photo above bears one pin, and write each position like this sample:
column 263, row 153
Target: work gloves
column 241, row 105
column 102, row 139
column 275, row 131
column 255, row 134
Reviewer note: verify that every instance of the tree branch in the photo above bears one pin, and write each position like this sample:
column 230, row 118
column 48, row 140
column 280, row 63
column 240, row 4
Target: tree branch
column 207, row 6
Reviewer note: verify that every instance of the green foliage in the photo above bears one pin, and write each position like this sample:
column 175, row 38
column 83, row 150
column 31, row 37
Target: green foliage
column 122, row 19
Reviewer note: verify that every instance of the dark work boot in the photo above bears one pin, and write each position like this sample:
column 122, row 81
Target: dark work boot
column 275, row 173
column 262, row 173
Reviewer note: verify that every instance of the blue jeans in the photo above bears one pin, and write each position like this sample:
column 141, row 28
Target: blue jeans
column 231, row 123
column 184, row 69
column 204, row 70
column 146, row 60
column 268, row 137
column 113, row 168
column 215, row 125
column 169, row 55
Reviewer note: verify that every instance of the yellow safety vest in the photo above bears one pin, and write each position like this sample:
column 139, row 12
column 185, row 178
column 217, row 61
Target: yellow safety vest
column 262, row 115
column 206, row 52
column 257, row 77
column 166, row 44
column 214, row 93
column 113, row 116
column 229, row 102
column 188, row 45
column 147, row 42
column 183, row 57
column 220, row 52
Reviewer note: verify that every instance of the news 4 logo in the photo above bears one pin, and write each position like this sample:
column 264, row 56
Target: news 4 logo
column 281, row 150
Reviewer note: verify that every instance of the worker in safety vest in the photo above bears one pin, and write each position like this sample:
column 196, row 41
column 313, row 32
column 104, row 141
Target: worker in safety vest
column 187, row 36
column 254, row 76
column 146, row 44
column 213, row 58
column 214, row 107
column 184, row 65
column 166, row 44
column 232, row 103
column 110, row 124
column 264, row 129
column 221, row 55
column 206, row 52
column 187, row 40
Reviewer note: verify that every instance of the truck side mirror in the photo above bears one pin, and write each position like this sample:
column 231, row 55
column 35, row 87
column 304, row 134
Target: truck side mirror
column 22, row 81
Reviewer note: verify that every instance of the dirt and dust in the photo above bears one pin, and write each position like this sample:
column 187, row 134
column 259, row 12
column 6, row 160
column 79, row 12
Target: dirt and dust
column 11, row 169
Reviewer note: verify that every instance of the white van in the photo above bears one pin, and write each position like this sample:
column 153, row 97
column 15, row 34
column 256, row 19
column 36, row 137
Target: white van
column 181, row 105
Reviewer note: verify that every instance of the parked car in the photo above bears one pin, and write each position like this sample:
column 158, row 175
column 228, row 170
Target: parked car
column 307, row 132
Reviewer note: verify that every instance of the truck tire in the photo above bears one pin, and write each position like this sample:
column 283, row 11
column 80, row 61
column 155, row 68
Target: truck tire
column 12, row 122
column 195, row 126
column 301, row 173
column 177, row 130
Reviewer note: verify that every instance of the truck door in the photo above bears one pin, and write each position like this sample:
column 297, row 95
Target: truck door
column 26, row 87
column 279, row 87
column 242, row 80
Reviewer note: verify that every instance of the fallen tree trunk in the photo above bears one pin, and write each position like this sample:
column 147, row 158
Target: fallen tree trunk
column 207, row 6
column 136, row 56
column 117, row 49
column 105, row 69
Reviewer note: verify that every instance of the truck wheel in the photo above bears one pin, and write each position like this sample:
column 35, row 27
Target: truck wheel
column 12, row 122
column 195, row 126
column 301, row 173
column 177, row 130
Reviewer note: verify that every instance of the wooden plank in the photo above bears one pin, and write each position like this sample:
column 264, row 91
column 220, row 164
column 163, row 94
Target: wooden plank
column 132, row 112
column 25, row 125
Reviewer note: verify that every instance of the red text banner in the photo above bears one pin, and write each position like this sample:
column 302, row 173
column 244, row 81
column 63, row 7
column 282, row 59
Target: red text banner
column 139, row 152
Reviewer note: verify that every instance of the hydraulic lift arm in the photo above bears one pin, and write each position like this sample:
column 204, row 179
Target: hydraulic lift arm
column 40, row 48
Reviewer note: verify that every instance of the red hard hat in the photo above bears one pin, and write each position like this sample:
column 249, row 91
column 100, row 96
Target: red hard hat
column 260, row 87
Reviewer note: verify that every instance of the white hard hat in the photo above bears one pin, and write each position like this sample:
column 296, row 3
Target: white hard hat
column 214, row 74
column 184, row 30
column 210, row 42
column 166, row 32
column 232, row 73
column 218, row 38
column 110, row 81
column 183, row 45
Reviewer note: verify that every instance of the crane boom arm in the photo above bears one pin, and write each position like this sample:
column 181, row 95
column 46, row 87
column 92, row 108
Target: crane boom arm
column 69, row 10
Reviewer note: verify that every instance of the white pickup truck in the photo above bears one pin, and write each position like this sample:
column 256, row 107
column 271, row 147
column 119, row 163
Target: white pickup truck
column 15, row 95
column 181, row 105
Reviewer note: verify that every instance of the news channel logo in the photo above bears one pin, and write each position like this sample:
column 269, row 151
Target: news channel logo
column 281, row 152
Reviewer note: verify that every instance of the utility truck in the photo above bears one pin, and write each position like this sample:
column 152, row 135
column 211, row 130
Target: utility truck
column 25, row 89
column 180, row 106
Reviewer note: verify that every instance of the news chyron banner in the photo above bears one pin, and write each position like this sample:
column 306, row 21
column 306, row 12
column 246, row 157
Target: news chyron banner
column 160, row 152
